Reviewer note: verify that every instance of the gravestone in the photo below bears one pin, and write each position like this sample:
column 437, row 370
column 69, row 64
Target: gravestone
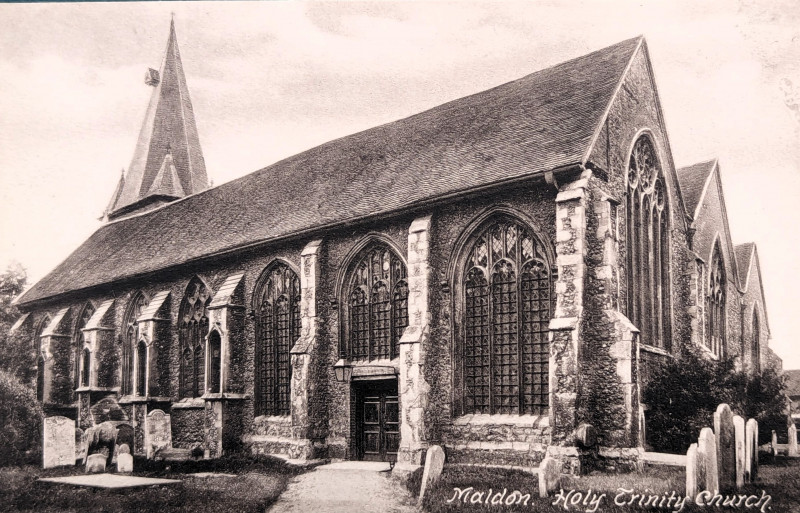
column 95, row 463
column 434, row 464
column 691, row 472
column 773, row 446
column 124, row 436
column 125, row 462
column 586, row 435
column 80, row 446
column 58, row 447
column 549, row 476
column 708, row 474
column 102, row 439
column 738, row 429
column 158, row 432
column 751, row 450
column 793, row 440
column 725, row 436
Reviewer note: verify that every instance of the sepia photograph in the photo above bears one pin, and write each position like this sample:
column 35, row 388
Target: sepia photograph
column 400, row 256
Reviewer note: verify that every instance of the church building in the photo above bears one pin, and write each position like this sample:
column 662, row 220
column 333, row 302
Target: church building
column 490, row 275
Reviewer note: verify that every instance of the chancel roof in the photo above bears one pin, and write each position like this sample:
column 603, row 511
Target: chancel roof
column 540, row 122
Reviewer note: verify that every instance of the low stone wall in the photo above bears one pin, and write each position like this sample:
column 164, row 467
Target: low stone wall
column 497, row 440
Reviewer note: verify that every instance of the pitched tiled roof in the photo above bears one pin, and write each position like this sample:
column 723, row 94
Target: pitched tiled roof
column 537, row 123
column 692, row 180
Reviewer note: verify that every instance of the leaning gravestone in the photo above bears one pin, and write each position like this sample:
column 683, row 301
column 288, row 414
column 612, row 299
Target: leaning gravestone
column 691, row 472
column 158, row 432
column 102, row 439
column 549, row 476
column 96, row 463
column 751, row 450
column 58, row 447
column 725, row 435
column 708, row 474
column 792, row 439
column 124, row 437
column 738, row 429
column 434, row 464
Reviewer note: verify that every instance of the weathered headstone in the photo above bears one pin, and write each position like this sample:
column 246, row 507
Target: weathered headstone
column 434, row 464
column 58, row 447
column 125, row 462
column 95, row 463
column 708, row 474
column 102, row 439
column 158, row 432
column 738, row 428
column 751, row 450
column 549, row 476
column 691, row 472
column 724, row 434
column 123, row 449
column 124, row 436
column 792, row 440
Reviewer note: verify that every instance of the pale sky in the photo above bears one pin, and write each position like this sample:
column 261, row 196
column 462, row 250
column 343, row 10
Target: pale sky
column 270, row 79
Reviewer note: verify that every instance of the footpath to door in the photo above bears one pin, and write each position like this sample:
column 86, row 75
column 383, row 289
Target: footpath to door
column 346, row 487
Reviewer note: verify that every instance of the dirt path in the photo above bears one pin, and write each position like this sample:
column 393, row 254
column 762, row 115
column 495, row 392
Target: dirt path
column 347, row 487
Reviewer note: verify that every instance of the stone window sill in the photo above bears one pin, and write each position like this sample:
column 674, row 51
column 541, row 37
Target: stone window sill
column 274, row 419
column 537, row 421
column 128, row 399
column 226, row 395
column 708, row 352
column 655, row 350
column 190, row 403
column 96, row 389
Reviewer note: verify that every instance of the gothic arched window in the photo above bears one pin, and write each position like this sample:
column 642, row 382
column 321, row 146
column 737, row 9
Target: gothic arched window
column 193, row 331
column 715, row 304
column 77, row 342
column 507, row 304
column 376, row 299
column 215, row 363
column 86, row 366
column 647, row 246
column 130, row 340
column 756, row 346
column 277, row 308
column 141, row 369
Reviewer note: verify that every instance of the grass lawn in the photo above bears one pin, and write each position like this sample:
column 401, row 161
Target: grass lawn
column 257, row 484
column 780, row 480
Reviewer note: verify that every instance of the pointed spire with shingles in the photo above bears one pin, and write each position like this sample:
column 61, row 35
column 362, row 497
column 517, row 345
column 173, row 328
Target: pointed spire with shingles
column 169, row 128
column 116, row 195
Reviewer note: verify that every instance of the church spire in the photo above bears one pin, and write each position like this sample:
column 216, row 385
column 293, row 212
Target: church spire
column 167, row 163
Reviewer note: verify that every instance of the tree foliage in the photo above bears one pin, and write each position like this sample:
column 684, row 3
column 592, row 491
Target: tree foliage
column 18, row 357
column 20, row 421
column 683, row 394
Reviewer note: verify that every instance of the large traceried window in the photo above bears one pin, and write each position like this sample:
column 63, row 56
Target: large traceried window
column 507, row 305
column 277, row 309
column 193, row 332
column 130, row 340
column 376, row 298
column 647, row 246
column 715, row 304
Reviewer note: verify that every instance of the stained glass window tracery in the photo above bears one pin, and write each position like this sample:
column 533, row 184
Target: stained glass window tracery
column 193, row 332
column 715, row 305
column 277, row 329
column 131, row 338
column 377, row 303
column 507, row 297
column 647, row 246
